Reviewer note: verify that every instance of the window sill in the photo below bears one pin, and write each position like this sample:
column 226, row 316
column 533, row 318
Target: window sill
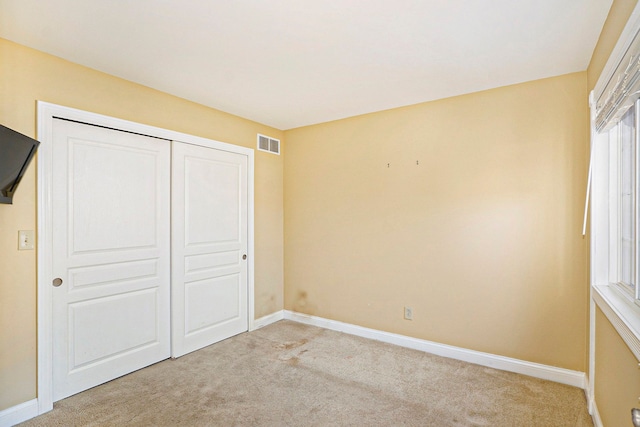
column 622, row 312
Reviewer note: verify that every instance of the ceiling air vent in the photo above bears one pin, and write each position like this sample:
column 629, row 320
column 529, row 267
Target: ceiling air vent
column 268, row 144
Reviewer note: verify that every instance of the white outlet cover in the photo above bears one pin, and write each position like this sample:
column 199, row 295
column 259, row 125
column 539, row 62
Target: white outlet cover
column 26, row 240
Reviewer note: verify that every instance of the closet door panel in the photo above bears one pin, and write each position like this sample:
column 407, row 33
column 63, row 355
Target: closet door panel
column 209, row 246
column 111, row 249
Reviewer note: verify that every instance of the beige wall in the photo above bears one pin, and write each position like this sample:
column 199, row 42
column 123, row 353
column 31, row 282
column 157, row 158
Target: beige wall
column 617, row 377
column 616, row 20
column 481, row 238
column 26, row 76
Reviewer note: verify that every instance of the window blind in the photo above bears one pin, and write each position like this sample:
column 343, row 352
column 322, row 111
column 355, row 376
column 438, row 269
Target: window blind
column 622, row 89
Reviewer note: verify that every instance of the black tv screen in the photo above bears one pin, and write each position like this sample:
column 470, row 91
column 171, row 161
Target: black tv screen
column 16, row 152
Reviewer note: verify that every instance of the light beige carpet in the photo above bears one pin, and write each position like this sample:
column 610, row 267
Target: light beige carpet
column 289, row 374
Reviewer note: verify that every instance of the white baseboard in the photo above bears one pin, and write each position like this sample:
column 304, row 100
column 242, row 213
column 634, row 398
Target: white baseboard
column 19, row 413
column 595, row 415
column 545, row 372
column 591, row 404
column 267, row 320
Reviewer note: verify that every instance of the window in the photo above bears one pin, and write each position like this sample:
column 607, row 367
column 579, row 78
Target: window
column 615, row 214
column 623, row 178
column 615, row 188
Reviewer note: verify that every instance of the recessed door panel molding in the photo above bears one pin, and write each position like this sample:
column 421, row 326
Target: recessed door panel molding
column 198, row 296
column 103, row 192
column 105, row 328
column 209, row 223
column 111, row 274
column 111, row 253
column 210, row 261
column 208, row 185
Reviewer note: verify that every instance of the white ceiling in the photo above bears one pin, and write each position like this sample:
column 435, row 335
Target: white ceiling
column 290, row 63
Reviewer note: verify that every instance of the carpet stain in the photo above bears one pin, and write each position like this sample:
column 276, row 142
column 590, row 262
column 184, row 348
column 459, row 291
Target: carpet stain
column 289, row 345
column 293, row 361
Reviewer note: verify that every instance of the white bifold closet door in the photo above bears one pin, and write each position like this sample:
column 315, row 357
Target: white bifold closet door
column 209, row 246
column 111, row 254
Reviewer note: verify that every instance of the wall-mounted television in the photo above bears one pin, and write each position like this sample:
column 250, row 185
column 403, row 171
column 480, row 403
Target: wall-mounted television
column 16, row 152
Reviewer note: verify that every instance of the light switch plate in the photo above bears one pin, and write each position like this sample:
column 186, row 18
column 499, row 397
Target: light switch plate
column 26, row 240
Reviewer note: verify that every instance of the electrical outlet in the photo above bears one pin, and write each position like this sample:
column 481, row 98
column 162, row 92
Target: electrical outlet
column 26, row 240
column 408, row 313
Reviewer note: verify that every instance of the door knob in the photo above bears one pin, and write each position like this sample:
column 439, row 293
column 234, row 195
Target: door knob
column 57, row 282
column 244, row 256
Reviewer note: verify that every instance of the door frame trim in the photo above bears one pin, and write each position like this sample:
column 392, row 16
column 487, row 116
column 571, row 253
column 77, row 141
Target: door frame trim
column 46, row 112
